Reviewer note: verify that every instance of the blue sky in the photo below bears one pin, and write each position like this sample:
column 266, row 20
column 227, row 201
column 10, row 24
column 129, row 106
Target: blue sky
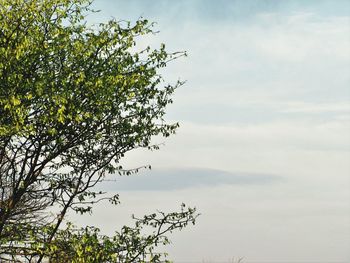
column 263, row 149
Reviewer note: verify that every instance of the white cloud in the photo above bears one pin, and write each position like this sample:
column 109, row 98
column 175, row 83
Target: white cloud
column 299, row 57
column 267, row 95
column 302, row 107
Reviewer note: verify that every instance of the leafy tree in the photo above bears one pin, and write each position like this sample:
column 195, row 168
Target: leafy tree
column 73, row 100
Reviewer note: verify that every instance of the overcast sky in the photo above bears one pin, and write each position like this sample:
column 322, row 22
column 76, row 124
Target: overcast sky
column 263, row 150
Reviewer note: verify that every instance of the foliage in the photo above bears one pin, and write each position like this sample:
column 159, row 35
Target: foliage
column 73, row 100
column 87, row 245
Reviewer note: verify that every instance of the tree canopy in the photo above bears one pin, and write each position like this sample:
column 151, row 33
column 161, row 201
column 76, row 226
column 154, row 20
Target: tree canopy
column 74, row 99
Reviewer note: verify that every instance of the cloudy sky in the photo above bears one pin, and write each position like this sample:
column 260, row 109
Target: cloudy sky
column 263, row 150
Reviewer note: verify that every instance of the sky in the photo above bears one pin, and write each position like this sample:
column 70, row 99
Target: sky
column 263, row 148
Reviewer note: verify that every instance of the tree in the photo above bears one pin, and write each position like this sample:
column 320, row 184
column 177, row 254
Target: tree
column 73, row 100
